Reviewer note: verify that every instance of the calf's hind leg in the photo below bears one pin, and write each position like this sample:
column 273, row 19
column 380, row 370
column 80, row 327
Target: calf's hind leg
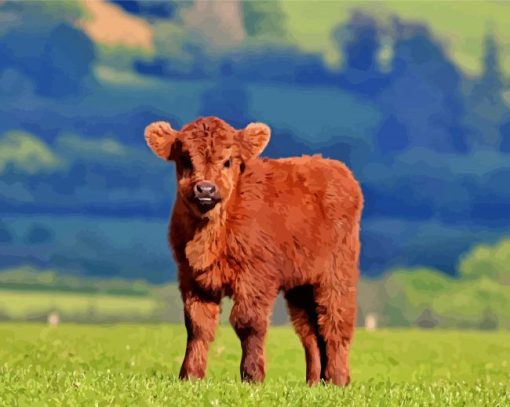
column 336, row 310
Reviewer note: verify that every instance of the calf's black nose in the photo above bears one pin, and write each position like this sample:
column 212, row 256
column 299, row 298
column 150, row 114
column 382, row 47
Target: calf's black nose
column 204, row 188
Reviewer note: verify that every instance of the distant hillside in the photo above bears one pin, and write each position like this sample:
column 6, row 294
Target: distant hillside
column 476, row 298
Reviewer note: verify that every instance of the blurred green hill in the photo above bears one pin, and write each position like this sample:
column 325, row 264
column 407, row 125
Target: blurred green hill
column 477, row 298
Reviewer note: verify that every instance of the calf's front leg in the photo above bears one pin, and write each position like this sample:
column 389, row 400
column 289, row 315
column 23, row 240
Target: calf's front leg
column 201, row 318
column 250, row 321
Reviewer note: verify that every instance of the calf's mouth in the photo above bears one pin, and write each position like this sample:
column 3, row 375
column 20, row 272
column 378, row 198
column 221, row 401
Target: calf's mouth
column 205, row 203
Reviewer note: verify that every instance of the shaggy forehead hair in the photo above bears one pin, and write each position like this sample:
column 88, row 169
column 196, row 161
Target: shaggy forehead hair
column 209, row 137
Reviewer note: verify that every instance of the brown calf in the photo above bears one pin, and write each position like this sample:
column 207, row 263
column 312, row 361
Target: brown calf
column 246, row 228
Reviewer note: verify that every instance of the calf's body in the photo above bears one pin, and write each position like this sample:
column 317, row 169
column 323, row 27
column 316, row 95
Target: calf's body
column 288, row 225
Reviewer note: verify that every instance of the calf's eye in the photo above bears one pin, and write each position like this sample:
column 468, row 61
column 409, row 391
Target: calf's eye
column 186, row 162
column 227, row 163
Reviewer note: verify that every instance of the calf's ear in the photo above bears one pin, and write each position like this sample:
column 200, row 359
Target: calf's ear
column 253, row 140
column 160, row 137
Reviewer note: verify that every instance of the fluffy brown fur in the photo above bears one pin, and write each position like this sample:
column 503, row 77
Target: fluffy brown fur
column 290, row 224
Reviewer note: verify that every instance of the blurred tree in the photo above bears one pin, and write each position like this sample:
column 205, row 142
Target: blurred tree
column 66, row 62
column 180, row 52
column 359, row 43
column 487, row 261
column 488, row 111
column 423, row 96
column 23, row 152
column 427, row 319
column 359, row 39
column 489, row 85
column 264, row 19
column 408, row 293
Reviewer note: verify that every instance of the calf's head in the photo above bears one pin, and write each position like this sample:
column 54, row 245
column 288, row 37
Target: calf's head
column 210, row 156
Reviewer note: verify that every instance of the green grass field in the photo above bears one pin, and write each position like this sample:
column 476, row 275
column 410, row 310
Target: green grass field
column 137, row 365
